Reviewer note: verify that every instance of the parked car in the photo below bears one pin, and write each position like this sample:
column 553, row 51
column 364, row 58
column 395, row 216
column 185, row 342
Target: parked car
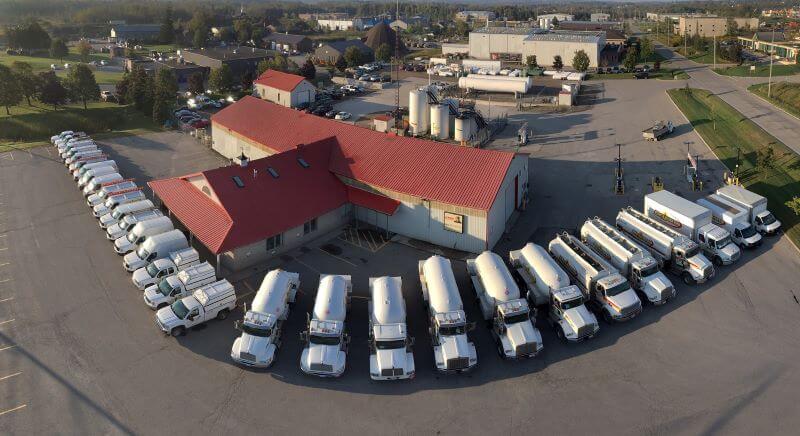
column 331, row 113
column 200, row 124
column 343, row 116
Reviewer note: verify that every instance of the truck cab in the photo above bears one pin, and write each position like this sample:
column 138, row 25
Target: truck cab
column 177, row 286
column 390, row 355
column 160, row 268
column 570, row 317
column 745, row 235
column 452, row 350
column 716, row 243
column 650, row 281
column 766, row 223
column 213, row 301
column 325, row 350
column 615, row 298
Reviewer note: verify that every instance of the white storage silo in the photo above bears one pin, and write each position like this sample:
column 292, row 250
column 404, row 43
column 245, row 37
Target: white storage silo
column 464, row 128
column 440, row 121
column 418, row 112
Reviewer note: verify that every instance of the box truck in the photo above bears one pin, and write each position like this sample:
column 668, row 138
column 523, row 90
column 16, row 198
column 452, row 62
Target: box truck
column 755, row 205
column 390, row 355
column 732, row 218
column 325, row 350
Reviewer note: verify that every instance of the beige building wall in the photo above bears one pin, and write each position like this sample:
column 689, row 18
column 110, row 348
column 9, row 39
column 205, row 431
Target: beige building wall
column 546, row 51
column 708, row 27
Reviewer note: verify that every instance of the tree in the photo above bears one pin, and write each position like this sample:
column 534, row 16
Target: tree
column 531, row 62
column 28, row 36
column 647, row 49
column 765, row 160
column 461, row 28
column 199, row 39
column 631, row 58
column 50, row 90
column 166, row 34
column 794, row 205
column 279, row 63
column 581, row 61
column 243, row 30
column 26, row 80
column 10, row 93
column 196, row 83
column 383, row 52
column 308, row 70
column 81, row 84
column 84, row 49
column 58, row 49
column 122, row 87
column 341, row 64
column 161, row 109
column 226, row 34
column 166, row 85
column 263, row 66
column 140, row 90
column 558, row 64
column 221, row 79
column 257, row 35
column 732, row 27
column 247, row 79
column 353, row 56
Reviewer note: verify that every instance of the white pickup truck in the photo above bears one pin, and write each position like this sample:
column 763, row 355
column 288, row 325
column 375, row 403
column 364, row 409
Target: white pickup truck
column 216, row 300
column 178, row 286
column 162, row 268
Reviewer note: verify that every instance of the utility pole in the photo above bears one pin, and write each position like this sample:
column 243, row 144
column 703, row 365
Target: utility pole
column 738, row 155
column 771, row 58
column 398, row 118
column 715, row 56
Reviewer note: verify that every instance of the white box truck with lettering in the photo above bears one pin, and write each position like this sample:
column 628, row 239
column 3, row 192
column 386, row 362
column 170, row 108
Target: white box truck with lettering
column 452, row 349
column 633, row 261
column 325, row 351
column 262, row 324
column 390, row 355
column 756, row 207
column 607, row 291
column 732, row 218
column 510, row 319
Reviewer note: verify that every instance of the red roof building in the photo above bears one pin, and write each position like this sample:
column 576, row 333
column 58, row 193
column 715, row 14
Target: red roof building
column 289, row 90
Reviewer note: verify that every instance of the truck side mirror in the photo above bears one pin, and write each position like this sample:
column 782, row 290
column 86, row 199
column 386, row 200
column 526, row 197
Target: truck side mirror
column 304, row 336
column 501, row 329
column 237, row 324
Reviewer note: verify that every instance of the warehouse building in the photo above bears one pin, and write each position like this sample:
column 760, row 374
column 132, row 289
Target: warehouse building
column 556, row 17
column 310, row 176
column 331, row 52
column 288, row 42
column 475, row 15
column 181, row 69
column 517, row 43
column 599, row 17
column 285, row 89
column 137, row 32
column 708, row 27
column 239, row 59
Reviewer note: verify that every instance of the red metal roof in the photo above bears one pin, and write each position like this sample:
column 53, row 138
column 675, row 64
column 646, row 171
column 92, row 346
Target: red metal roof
column 279, row 80
column 360, row 197
column 426, row 169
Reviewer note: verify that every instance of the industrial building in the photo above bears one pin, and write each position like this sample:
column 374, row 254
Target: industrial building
column 138, row 32
column 475, row 15
column 708, row 27
column 285, row 89
column 599, row 17
column 332, row 51
column 239, row 59
column 517, row 43
column 310, row 175
column 181, row 69
column 288, row 42
column 341, row 23
column 557, row 17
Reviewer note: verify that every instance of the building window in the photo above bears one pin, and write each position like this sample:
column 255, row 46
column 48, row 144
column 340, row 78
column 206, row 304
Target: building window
column 310, row 226
column 274, row 242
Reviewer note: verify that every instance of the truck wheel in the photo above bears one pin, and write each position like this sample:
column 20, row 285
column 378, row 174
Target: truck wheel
column 717, row 261
column 560, row 333
column 178, row 331
column 607, row 317
column 161, row 306
column 687, row 278
column 222, row 314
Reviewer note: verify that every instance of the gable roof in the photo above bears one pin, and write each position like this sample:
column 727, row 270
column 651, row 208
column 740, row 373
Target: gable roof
column 767, row 36
column 279, row 80
column 342, row 46
column 285, row 38
column 447, row 173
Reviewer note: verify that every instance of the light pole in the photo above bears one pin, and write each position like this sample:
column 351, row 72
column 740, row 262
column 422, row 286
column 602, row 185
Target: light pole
column 771, row 58
column 715, row 53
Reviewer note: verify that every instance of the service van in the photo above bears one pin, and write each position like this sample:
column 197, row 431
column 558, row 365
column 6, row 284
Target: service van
column 77, row 164
column 108, row 206
column 161, row 268
column 96, row 182
column 140, row 232
column 79, row 172
column 88, row 146
column 121, row 210
column 89, row 175
column 83, row 152
column 180, row 285
column 155, row 247
column 127, row 223
column 107, row 189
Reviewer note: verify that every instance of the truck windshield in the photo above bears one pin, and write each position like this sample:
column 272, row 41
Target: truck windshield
column 748, row 232
column 324, row 340
column 164, row 288
column 766, row 220
column 618, row 289
column 142, row 253
column 649, row 270
column 722, row 243
column 390, row 345
column 179, row 309
column 518, row 317
column 132, row 237
column 256, row 331
column 117, row 214
column 152, row 270
column 694, row 251
column 452, row 330
column 571, row 304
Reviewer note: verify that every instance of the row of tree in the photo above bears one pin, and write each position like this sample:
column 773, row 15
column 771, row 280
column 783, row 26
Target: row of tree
column 19, row 82
column 153, row 97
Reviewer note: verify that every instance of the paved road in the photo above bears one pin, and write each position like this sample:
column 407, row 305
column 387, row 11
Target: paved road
column 733, row 91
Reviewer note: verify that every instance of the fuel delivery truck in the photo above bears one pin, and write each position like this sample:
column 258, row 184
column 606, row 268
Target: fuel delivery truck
column 325, row 351
column 607, row 291
column 629, row 258
column 511, row 320
column 452, row 349
column 694, row 222
column 548, row 284
column 673, row 250
column 390, row 355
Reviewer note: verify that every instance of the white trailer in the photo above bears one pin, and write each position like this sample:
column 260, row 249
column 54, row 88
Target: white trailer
column 732, row 218
column 325, row 350
column 693, row 221
column 390, row 355
column 606, row 289
column 673, row 250
column 512, row 321
column 262, row 325
column 755, row 205
column 452, row 349
column 629, row 258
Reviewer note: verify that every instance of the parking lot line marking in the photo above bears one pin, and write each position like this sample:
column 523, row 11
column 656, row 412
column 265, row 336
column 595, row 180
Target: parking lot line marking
column 8, row 347
column 337, row 257
column 7, row 321
column 13, row 410
column 4, row 249
column 307, row 265
column 5, row 280
column 6, row 299
column 5, row 264
column 10, row 375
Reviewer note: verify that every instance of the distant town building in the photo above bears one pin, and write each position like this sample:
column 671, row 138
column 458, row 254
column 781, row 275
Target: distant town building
column 341, row 24
column 517, row 43
column 332, row 51
column 285, row 89
column 181, row 69
column 139, row 32
column 599, row 17
column 239, row 59
column 475, row 15
column 558, row 17
column 708, row 27
column 288, row 42
column 776, row 43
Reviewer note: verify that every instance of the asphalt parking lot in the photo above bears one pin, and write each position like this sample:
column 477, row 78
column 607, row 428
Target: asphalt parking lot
column 79, row 350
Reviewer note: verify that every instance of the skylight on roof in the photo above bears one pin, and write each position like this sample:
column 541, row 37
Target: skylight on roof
column 238, row 181
column 272, row 172
column 303, row 162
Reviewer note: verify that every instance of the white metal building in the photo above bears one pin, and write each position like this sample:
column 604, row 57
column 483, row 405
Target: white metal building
column 285, row 89
column 505, row 42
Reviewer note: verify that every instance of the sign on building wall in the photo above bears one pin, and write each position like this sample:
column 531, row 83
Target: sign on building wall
column 454, row 222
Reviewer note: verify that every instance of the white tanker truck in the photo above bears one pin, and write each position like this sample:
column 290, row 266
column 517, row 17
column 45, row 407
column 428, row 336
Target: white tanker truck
column 629, row 258
column 452, row 350
column 325, row 351
column 548, row 284
column 512, row 321
column 390, row 356
column 675, row 251
column 607, row 290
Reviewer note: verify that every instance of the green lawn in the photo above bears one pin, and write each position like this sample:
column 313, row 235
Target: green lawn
column 784, row 95
column 762, row 70
column 42, row 63
column 29, row 124
column 732, row 130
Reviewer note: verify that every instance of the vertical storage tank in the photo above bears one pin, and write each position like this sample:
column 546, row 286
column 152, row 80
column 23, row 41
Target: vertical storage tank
column 463, row 128
column 440, row 121
column 418, row 112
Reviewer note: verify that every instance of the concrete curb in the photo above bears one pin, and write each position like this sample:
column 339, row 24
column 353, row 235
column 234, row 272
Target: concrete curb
column 770, row 103
column 715, row 154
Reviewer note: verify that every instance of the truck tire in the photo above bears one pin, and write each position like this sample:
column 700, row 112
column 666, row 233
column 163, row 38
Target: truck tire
column 687, row 278
column 222, row 314
column 607, row 317
column 717, row 261
column 178, row 331
column 560, row 333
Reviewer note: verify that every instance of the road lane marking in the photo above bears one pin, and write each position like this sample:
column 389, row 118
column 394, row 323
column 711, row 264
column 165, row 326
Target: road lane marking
column 5, row 280
column 7, row 321
column 5, row 264
column 8, row 347
column 6, row 299
column 10, row 375
column 13, row 410
column 4, row 249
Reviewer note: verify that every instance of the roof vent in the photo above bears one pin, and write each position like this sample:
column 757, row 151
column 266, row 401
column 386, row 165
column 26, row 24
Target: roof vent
column 303, row 162
column 238, row 181
column 242, row 160
column 272, row 172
